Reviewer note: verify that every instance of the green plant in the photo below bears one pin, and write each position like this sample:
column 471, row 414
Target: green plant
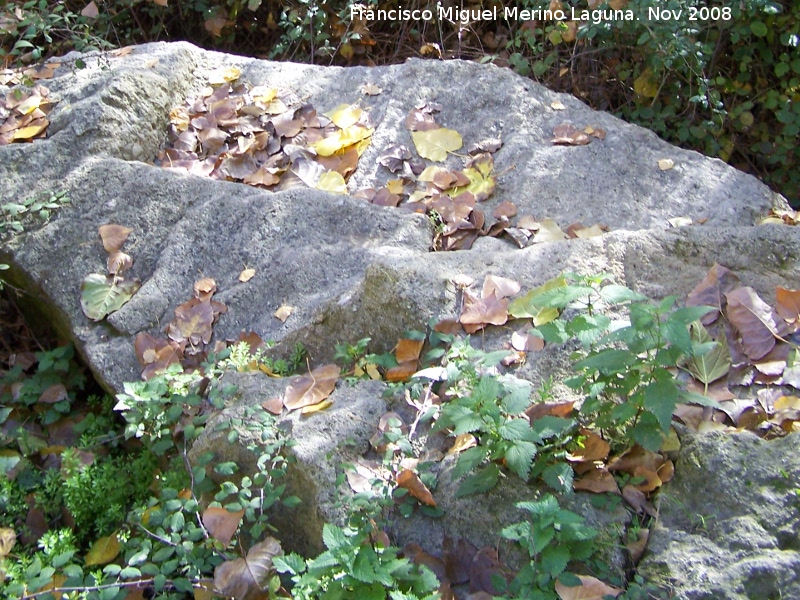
column 14, row 214
column 624, row 365
column 552, row 538
column 357, row 564
column 240, row 358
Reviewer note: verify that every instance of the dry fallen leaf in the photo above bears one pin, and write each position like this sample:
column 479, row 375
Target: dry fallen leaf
column 409, row 480
column 246, row 275
column 222, row 523
column 665, row 164
column 283, row 312
column 312, row 388
column 590, row 588
column 557, row 105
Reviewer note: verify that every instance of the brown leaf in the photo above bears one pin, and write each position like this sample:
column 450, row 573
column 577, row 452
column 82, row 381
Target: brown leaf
column 638, row 501
column 312, row 388
column 590, row 588
column 711, row 291
column 54, row 393
column 485, row 567
column 594, row 448
column 118, row 262
column 401, row 372
column 505, row 209
column 567, row 135
column 526, row 342
column 246, row 275
column 193, row 323
column 284, row 312
column 113, row 237
column 273, row 405
column 204, row 288
column 458, row 555
column 788, row 304
column 90, row 11
column 408, row 350
column 409, row 480
column 221, row 523
column 486, row 310
column 598, row 481
column 754, row 320
column 557, row 409
column 501, row 286
column 248, row 578
column 637, row 547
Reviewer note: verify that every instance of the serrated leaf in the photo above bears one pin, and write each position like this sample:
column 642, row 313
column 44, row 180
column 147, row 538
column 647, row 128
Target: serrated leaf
column 519, row 457
column 102, row 295
column 434, row 144
column 559, row 477
column 333, row 537
column 482, row 481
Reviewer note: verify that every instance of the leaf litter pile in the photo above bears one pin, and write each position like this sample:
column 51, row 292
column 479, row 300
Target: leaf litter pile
column 23, row 115
column 266, row 137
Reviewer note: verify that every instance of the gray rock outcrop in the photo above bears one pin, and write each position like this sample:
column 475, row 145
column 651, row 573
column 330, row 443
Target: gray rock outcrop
column 355, row 270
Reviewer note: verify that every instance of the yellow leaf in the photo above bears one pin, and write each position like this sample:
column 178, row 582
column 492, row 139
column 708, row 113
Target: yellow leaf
column 787, row 402
column 331, row 181
column 341, row 139
column 223, row 75
column 31, row 131
column 28, row 106
column 247, row 275
column 8, row 538
column 345, row 115
column 314, row 408
column 588, row 232
column 434, row 144
column 665, row 164
column 103, row 551
column 549, row 231
column 463, row 442
column 372, row 371
column 395, row 186
column 646, row 85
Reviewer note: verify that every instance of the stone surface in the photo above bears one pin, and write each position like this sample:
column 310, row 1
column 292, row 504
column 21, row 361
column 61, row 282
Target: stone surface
column 353, row 270
column 729, row 523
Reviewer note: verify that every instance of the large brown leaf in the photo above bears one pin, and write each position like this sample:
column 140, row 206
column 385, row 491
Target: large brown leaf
column 711, row 291
column 248, row 578
column 788, row 304
column 755, row 321
column 222, row 523
column 193, row 322
column 312, row 388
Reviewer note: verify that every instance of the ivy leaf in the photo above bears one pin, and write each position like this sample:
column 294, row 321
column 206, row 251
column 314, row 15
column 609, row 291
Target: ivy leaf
column 482, row 481
column 102, row 295
column 434, row 144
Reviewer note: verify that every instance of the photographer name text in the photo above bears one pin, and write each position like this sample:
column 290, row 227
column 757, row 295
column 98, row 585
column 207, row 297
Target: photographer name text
column 471, row 15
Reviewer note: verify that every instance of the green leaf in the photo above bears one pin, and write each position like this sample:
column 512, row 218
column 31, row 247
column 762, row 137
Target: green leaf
column 531, row 305
column 758, row 28
column 617, row 294
column 102, row 295
column 468, row 460
column 289, row 563
column 334, row 537
column 660, row 398
column 647, row 432
column 519, row 457
column 559, row 477
column 712, row 365
column 516, row 429
column 482, row 481
column 609, row 360
column 550, row 426
column 555, row 559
